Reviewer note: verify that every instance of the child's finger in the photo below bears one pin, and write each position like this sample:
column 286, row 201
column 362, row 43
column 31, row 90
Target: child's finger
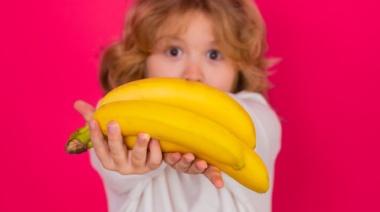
column 215, row 176
column 139, row 153
column 172, row 158
column 85, row 109
column 185, row 162
column 198, row 167
column 100, row 145
column 155, row 155
column 118, row 150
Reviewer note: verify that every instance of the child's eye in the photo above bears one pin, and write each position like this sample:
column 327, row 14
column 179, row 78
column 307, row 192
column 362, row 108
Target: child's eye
column 214, row 54
column 174, row 51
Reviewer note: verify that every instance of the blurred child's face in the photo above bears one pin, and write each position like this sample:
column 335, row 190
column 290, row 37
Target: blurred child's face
column 193, row 55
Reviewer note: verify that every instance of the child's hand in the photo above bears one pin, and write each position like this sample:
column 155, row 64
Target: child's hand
column 113, row 154
column 187, row 163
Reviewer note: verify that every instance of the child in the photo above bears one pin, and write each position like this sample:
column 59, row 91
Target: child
column 217, row 42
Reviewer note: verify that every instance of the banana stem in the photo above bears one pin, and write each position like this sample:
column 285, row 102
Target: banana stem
column 79, row 141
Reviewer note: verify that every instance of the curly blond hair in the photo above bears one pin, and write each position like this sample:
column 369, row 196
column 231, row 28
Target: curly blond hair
column 239, row 30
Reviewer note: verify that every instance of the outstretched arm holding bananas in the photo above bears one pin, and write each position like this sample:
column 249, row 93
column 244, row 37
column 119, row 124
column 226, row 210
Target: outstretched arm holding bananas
column 146, row 154
column 131, row 169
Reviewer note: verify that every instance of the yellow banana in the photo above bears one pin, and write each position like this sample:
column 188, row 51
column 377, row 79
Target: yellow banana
column 185, row 117
column 201, row 136
column 193, row 96
column 253, row 175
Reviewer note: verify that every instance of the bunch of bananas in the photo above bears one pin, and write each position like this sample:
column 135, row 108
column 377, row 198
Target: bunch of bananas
column 184, row 116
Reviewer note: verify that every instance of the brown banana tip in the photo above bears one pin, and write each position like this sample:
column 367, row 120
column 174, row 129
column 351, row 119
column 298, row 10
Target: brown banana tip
column 75, row 147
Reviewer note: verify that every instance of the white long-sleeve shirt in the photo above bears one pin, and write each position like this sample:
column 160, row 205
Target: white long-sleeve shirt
column 168, row 190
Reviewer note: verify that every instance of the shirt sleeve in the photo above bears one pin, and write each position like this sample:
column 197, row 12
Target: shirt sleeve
column 266, row 122
column 268, row 144
column 120, row 187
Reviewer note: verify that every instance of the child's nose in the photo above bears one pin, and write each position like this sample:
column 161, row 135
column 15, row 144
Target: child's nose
column 193, row 72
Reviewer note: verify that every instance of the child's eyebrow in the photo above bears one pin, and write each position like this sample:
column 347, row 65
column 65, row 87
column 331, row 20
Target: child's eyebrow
column 214, row 43
column 168, row 38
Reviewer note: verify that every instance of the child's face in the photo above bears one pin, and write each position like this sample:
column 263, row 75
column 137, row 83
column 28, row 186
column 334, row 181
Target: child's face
column 193, row 55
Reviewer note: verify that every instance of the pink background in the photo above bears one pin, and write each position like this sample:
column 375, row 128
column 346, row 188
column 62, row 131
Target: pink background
column 326, row 91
